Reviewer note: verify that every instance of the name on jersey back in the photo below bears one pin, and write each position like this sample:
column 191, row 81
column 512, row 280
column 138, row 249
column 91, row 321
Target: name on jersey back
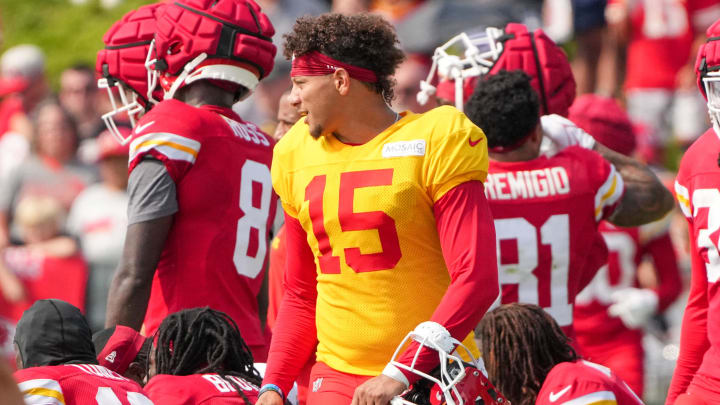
column 536, row 183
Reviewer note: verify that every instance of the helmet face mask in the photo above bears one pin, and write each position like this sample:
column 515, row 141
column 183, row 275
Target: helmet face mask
column 455, row 382
column 711, row 82
column 128, row 105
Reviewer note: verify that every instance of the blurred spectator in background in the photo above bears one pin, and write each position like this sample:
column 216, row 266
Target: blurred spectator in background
column 23, row 83
column 98, row 218
column 79, row 95
column 47, row 265
column 51, row 170
column 22, row 87
column 662, row 38
column 263, row 106
column 408, row 76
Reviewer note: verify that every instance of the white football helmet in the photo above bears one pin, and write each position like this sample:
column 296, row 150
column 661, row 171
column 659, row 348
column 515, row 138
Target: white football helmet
column 458, row 382
column 478, row 53
column 711, row 82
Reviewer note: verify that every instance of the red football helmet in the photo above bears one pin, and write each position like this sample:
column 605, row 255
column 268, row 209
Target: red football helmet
column 456, row 382
column 514, row 48
column 121, row 67
column 607, row 122
column 707, row 67
column 226, row 41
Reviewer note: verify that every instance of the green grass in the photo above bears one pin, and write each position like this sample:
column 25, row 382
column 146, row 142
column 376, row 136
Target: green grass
column 67, row 33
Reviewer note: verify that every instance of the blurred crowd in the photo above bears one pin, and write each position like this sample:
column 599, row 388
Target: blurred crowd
column 63, row 176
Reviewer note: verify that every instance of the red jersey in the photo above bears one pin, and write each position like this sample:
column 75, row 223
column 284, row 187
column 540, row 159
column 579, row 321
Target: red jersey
column 596, row 330
column 196, row 389
column 78, row 384
column 44, row 277
column 584, row 383
column 216, row 251
column 697, row 189
column 546, row 214
column 661, row 38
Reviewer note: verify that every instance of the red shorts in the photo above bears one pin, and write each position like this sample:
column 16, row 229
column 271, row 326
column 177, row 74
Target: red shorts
column 702, row 391
column 332, row 387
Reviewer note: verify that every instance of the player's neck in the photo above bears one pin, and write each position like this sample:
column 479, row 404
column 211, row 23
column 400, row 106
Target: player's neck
column 521, row 154
column 203, row 93
column 364, row 123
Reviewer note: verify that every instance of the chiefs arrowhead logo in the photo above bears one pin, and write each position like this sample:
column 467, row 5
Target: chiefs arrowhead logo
column 111, row 357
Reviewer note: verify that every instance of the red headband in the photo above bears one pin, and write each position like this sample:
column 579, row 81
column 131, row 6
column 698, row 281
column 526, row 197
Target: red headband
column 316, row 64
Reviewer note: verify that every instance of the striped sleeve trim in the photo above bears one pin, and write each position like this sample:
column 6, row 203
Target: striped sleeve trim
column 609, row 193
column 683, row 198
column 42, row 391
column 595, row 398
column 174, row 147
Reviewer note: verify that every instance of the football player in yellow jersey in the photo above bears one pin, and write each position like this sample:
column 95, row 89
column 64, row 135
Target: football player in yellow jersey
column 387, row 223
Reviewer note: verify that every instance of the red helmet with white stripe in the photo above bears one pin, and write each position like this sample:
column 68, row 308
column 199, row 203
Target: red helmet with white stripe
column 707, row 68
column 512, row 48
column 226, row 41
column 121, row 67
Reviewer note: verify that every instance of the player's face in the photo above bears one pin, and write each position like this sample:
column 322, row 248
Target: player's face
column 286, row 118
column 315, row 98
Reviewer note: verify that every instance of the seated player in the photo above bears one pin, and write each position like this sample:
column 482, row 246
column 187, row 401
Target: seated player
column 199, row 355
column 612, row 310
column 124, row 351
column 531, row 361
column 547, row 209
column 57, row 364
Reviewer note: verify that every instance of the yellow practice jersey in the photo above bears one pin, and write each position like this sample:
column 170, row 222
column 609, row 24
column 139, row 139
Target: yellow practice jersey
column 368, row 213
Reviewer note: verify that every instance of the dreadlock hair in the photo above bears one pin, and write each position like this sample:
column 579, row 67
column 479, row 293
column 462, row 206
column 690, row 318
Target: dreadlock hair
column 202, row 340
column 521, row 343
column 363, row 40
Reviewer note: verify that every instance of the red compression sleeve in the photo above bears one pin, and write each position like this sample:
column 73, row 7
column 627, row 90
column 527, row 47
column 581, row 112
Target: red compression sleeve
column 693, row 339
column 295, row 333
column 668, row 272
column 467, row 237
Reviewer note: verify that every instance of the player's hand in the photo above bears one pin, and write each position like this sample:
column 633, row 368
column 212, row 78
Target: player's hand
column 559, row 133
column 269, row 398
column 11, row 287
column 634, row 306
column 377, row 391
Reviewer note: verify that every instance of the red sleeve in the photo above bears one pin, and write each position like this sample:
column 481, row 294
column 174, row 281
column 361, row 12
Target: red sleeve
column 467, row 237
column 665, row 262
column 276, row 273
column 693, row 340
column 295, row 333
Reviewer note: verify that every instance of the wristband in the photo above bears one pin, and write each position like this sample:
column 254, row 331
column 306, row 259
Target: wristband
column 396, row 374
column 271, row 387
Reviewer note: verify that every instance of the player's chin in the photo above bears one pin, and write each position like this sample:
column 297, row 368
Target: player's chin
column 316, row 131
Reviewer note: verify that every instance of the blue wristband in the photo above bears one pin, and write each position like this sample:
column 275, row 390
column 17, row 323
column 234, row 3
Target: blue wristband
column 271, row 387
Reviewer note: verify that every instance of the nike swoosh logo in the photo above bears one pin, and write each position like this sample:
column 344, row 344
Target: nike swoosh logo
column 142, row 127
column 473, row 143
column 554, row 397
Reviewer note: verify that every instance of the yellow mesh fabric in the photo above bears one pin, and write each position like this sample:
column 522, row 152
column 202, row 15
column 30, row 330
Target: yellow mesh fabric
column 371, row 192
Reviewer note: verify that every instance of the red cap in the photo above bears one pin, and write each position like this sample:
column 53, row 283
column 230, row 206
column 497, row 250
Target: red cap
column 606, row 121
column 108, row 146
column 121, row 349
column 9, row 85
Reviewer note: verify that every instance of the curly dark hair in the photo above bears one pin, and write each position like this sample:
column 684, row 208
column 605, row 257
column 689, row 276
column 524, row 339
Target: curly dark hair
column 505, row 106
column 202, row 340
column 521, row 343
column 363, row 40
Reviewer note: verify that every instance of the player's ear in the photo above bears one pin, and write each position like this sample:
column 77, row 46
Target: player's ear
column 537, row 134
column 136, row 372
column 341, row 79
